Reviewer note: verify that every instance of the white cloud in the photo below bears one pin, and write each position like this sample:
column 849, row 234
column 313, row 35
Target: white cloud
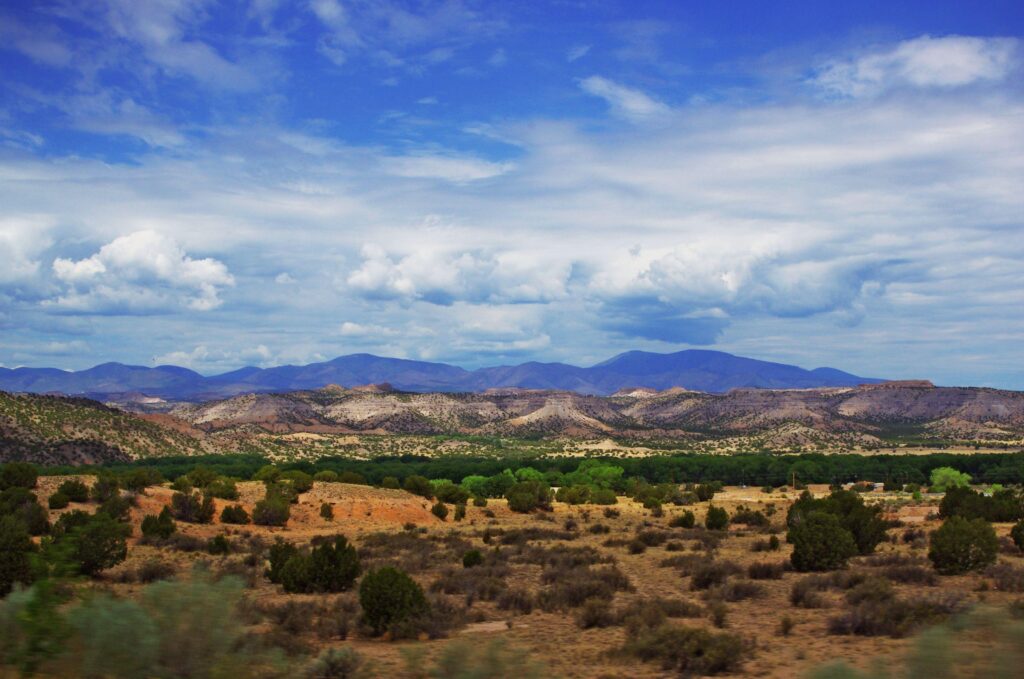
column 22, row 240
column 444, row 277
column 447, row 168
column 142, row 272
column 951, row 61
column 624, row 101
column 284, row 278
column 165, row 30
column 577, row 52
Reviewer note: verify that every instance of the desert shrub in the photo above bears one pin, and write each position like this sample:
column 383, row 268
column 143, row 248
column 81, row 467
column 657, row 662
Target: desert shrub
column 327, row 511
column 763, row 570
column 961, row 545
column 1006, row 578
column 75, row 490
column 222, row 487
column 684, row 520
column 1017, row 533
column 595, row 613
column 636, row 546
column 278, row 555
column 234, row 514
column 460, row 512
column 192, row 507
column 472, row 558
column 772, row 544
column 820, row 543
column 418, row 485
column 479, row 501
column 652, row 538
column 389, row 597
column 653, row 611
column 570, row 588
column 603, row 496
column 734, row 590
column 96, row 545
column 24, row 505
column 116, row 638
column 153, row 570
column 484, row 583
column 526, row 496
column 158, row 526
column 327, row 476
column 335, row 663
column 468, row 659
column 611, row 513
column 516, row 599
column 891, row 616
column 105, row 487
column 218, row 545
column 807, row 592
column 139, row 479
column 16, row 548
column 182, row 484
column 197, row 628
column 687, row 651
column 271, row 511
column 331, row 566
column 117, row 507
column 716, row 519
column 300, row 481
column 712, row 573
column 910, row 574
column 748, row 517
column 440, row 510
column 18, row 475
column 705, row 492
column 786, row 625
column 58, row 501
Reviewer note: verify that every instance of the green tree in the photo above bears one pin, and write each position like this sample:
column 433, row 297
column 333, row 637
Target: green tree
column 389, row 596
column 527, row 496
column 717, row 519
column 820, row 543
column 418, row 485
column 159, row 526
column 99, row 544
column 18, row 475
column 961, row 545
column 16, row 548
column 944, row 478
column 75, row 490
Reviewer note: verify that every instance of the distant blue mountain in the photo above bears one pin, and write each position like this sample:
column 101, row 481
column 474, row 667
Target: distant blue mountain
column 699, row 370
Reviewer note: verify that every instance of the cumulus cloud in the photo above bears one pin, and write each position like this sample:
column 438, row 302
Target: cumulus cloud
column 944, row 62
column 443, row 278
column 625, row 102
column 143, row 272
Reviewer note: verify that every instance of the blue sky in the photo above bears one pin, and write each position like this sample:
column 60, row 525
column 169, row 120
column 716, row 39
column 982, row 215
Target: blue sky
column 265, row 182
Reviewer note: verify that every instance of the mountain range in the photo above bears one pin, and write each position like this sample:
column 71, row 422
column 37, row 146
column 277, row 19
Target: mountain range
column 697, row 370
column 340, row 421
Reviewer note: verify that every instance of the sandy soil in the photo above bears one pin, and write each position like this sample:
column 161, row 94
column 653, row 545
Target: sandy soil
column 554, row 638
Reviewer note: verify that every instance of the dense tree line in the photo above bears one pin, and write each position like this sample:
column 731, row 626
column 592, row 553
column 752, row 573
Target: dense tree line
column 745, row 468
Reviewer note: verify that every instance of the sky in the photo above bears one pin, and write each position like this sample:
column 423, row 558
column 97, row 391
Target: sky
column 262, row 182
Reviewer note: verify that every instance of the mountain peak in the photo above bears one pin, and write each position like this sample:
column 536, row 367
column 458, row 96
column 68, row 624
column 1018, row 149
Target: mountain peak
column 691, row 369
